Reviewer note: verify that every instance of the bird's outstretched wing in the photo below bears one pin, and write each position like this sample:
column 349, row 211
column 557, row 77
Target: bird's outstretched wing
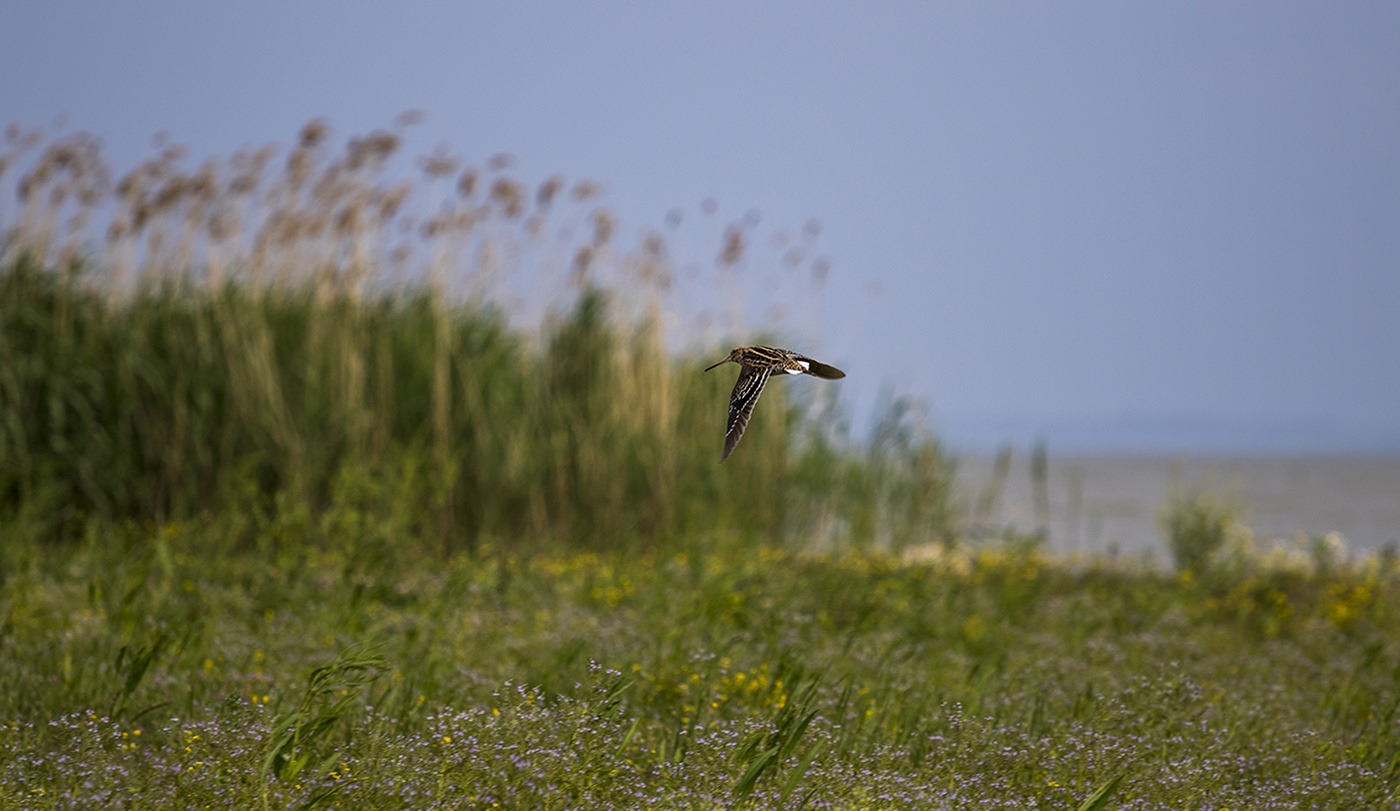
column 741, row 403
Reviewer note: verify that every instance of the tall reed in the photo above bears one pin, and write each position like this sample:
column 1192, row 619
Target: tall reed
column 329, row 337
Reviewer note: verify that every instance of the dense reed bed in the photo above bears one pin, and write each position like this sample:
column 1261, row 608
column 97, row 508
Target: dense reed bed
column 278, row 345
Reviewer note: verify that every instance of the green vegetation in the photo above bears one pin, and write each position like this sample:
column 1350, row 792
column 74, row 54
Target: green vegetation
column 287, row 372
column 1197, row 527
column 292, row 519
column 172, row 666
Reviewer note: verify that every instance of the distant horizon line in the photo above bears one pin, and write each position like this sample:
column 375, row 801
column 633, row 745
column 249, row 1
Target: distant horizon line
column 1137, row 433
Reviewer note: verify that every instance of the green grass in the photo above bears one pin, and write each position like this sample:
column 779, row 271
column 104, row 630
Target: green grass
column 158, row 666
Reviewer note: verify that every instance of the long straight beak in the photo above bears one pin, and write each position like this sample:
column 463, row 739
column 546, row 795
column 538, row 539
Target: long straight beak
column 721, row 363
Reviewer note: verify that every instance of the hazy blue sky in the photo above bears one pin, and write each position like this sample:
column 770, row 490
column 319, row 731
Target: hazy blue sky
column 1097, row 221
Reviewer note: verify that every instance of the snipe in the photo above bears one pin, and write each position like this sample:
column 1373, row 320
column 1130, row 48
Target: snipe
column 756, row 363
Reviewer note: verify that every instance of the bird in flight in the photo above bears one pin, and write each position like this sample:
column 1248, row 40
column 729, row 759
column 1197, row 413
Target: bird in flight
column 756, row 363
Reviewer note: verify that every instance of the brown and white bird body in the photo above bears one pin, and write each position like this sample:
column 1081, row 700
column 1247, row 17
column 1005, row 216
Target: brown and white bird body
column 756, row 364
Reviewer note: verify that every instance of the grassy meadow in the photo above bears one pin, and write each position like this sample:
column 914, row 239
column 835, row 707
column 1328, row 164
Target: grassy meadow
column 307, row 501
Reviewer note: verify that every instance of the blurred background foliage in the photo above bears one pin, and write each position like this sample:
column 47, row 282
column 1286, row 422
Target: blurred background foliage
column 465, row 360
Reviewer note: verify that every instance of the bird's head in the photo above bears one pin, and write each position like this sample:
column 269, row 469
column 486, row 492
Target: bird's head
column 736, row 355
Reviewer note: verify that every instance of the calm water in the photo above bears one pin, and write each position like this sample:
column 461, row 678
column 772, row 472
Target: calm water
column 1106, row 504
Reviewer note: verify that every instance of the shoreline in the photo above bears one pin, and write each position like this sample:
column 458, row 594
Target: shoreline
column 1109, row 503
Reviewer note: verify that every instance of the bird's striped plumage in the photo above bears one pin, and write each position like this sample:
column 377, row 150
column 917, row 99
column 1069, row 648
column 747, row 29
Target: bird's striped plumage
column 756, row 365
